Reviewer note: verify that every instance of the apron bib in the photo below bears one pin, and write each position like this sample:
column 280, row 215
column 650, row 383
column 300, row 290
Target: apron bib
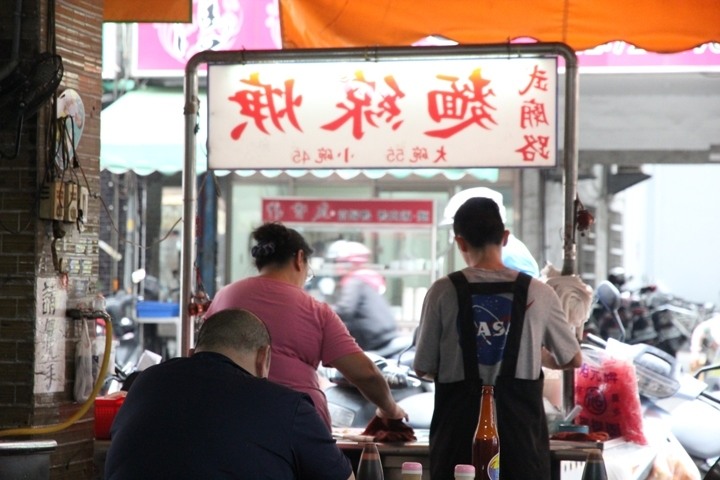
column 522, row 426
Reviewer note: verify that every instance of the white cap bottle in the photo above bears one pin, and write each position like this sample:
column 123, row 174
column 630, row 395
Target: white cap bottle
column 464, row 472
column 411, row 471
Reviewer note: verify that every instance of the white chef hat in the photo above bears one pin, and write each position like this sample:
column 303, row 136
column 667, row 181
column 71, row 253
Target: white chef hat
column 464, row 195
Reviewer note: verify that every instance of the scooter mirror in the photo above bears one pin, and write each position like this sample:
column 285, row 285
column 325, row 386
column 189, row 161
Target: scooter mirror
column 138, row 275
column 608, row 295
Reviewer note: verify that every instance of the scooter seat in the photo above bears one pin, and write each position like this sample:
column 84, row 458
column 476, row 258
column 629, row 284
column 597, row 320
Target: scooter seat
column 419, row 409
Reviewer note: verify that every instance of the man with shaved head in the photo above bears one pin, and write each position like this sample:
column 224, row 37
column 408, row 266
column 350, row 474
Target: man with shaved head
column 215, row 415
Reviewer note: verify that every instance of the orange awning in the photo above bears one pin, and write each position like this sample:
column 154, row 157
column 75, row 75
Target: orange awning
column 658, row 26
column 144, row 11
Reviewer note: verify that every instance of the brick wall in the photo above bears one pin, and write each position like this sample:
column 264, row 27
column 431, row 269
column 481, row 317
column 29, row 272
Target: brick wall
column 29, row 282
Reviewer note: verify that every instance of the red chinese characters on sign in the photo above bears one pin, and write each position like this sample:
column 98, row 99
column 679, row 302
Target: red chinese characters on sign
column 375, row 115
column 259, row 104
column 360, row 94
column 354, row 212
column 532, row 115
column 467, row 104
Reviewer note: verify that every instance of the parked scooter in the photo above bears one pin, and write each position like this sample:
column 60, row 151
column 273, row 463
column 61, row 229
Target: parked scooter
column 684, row 403
column 350, row 409
column 120, row 306
column 631, row 322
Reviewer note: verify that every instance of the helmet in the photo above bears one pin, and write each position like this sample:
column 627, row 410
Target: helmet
column 461, row 197
column 344, row 251
column 617, row 276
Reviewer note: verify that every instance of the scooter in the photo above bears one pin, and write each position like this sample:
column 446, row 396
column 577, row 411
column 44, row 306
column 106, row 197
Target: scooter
column 350, row 409
column 683, row 402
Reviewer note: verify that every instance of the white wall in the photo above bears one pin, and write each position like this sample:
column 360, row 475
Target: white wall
column 672, row 228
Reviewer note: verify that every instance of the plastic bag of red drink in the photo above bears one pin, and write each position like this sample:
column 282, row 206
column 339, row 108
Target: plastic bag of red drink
column 606, row 387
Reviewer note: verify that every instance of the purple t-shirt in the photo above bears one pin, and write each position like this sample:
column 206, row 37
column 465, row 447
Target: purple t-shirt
column 303, row 331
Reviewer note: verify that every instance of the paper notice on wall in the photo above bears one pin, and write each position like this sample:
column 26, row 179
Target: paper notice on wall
column 50, row 336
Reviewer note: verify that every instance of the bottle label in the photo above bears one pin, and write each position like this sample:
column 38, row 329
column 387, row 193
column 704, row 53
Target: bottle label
column 493, row 470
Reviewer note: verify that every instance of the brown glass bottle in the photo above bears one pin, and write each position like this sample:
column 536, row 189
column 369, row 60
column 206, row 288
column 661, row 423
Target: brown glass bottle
column 486, row 445
column 595, row 466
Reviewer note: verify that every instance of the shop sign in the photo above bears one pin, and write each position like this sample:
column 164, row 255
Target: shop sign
column 410, row 113
column 163, row 49
column 376, row 212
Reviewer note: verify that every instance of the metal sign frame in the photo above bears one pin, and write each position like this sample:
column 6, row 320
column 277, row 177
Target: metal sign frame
column 297, row 57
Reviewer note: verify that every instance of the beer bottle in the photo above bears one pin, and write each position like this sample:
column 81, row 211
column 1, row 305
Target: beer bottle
column 370, row 466
column 486, row 445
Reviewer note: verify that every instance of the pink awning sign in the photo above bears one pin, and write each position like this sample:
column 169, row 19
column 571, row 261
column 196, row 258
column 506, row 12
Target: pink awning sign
column 376, row 212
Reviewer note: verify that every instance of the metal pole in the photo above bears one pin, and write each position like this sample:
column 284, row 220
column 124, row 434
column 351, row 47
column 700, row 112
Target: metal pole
column 190, row 110
column 570, row 160
column 570, row 151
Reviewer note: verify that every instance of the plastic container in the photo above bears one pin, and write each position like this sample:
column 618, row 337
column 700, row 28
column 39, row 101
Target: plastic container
column 573, row 428
column 29, row 460
column 105, row 410
column 157, row 309
column 464, row 472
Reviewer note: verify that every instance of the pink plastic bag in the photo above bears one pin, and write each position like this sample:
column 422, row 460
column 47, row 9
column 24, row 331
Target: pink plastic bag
column 606, row 387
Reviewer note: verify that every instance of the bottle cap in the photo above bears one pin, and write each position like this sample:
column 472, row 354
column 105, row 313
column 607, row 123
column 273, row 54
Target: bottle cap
column 464, row 471
column 411, row 467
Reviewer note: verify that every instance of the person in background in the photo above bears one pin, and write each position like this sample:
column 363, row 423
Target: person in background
column 490, row 324
column 361, row 304
column 515, row 254
column 705, row 349
column 215, row 415
column 305, row 331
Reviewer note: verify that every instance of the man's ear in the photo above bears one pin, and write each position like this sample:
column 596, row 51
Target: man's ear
column 262, row 362
column 506, row 235
column 461, row 243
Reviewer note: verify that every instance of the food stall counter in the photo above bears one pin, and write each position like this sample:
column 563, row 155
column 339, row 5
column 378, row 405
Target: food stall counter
column 566, row 457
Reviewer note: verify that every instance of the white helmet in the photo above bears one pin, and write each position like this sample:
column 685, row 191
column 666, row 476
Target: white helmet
column 463, row 196
column 342, row 251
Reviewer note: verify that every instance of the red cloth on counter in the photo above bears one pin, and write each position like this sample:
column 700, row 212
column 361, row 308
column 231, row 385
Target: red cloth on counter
column 389, row 430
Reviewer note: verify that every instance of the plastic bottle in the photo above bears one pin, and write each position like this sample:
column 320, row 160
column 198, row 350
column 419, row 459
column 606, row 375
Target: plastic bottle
column 464, row 472
column 595, row 466
column 411, row 471
column 370, row 466
column 486, row 445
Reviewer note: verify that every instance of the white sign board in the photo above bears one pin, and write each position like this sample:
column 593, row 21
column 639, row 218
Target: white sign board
column 443, row 113
column 50, row 336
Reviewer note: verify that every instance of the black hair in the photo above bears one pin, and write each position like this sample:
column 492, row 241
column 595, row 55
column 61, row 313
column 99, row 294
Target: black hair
column 478, row 221
column 277, row 244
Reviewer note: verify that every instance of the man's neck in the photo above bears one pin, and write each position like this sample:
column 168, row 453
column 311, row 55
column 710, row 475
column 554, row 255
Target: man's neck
column 489, row 258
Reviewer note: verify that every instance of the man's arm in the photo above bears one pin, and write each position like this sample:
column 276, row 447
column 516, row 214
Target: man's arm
column 548, row 361
column 363, row 373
